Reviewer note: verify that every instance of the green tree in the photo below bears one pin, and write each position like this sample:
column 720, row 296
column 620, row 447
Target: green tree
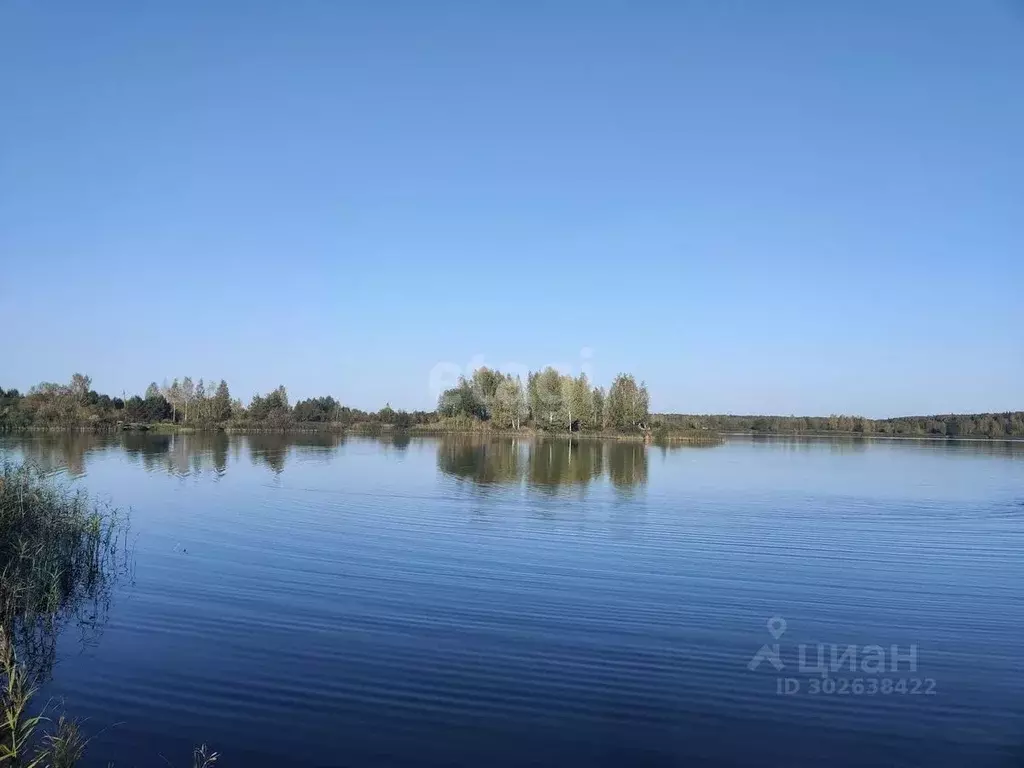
column 582, row 403
column 278, row 399
column 386, row 414
column 222, row 403
column 201, row 404
column 462, row 400
column 597, row 408
column 316, row 409
column 576, row 401
column 549, row 395
column 520, row 409
column 628, row 403
column 533, row 399
column 509, row 403
column 485, row 386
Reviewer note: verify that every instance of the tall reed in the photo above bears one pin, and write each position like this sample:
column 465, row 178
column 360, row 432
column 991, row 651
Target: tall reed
column 60, row 556
column 31, row 740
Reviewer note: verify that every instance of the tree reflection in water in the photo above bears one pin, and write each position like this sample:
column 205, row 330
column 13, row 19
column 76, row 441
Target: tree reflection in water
column 547, row 464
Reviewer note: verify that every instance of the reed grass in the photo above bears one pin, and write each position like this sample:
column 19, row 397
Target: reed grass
column 61, row 555
column 32, row 740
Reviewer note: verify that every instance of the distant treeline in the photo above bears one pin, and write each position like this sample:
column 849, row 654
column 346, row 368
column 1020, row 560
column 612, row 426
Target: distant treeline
column 186, row 403
column 990, row 425
column 488, row 399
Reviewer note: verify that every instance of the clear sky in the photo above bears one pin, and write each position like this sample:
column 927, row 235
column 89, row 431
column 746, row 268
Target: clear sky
column 784, row 207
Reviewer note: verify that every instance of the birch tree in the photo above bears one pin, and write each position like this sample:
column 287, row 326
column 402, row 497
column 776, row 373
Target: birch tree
column 172, row 395
column 575, row 399
column 628, row 403
column 188, row 391
column 509, row 404
column 520, row 410
column 597, row 408
column 80, row 386
column 581, row 402
column 549, row 394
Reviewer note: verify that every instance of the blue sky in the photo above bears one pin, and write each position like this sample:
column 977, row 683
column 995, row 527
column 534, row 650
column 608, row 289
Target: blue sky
column 785, row 207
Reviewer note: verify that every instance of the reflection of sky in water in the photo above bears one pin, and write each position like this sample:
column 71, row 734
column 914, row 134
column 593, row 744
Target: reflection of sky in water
column 471, row 601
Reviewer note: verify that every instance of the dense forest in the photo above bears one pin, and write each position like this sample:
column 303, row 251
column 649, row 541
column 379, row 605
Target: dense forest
column 977, row 425
column 547, row 401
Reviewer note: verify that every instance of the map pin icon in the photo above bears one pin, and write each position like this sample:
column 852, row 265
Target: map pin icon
column 777, row 626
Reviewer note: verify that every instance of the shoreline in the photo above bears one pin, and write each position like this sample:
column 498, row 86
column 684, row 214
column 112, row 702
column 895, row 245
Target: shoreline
column 712, row 437
column 363, row 430
column 876, row 436
column 427, row 430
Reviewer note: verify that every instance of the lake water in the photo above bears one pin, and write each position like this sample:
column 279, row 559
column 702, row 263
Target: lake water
column 312, row 601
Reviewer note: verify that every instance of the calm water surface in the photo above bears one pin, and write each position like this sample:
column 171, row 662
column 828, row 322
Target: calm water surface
column 312, row 601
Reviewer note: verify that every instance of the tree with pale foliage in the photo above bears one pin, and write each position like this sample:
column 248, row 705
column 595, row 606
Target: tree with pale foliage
column 520, row 409
column 188, row 392
column 509, row 404
column 80, row 386
column 627, row 404
column 581, row 400
column 172, row 394
column 485, row 384
column 575, row 400
column 548, row 396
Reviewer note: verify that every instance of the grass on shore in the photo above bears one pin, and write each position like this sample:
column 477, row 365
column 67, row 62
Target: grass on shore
column 39, row 740
column 28, row 741
column 57, row 549
column 59, row 553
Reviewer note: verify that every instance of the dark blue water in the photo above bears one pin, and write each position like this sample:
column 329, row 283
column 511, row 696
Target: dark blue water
column 308, row 601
